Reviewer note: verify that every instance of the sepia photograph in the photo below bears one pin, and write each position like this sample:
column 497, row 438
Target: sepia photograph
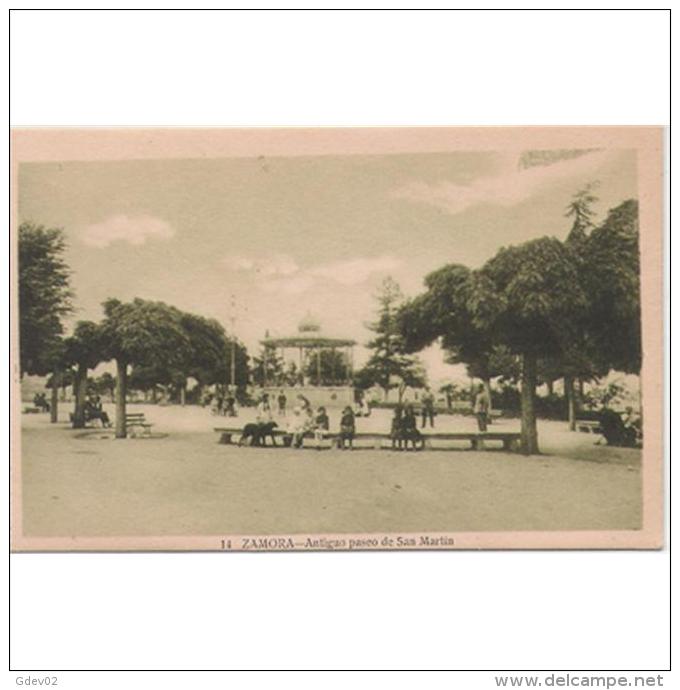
column 337, row 339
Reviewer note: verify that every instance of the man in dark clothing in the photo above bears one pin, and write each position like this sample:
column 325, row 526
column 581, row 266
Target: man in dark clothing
column 428, row 408
column 282, row 400
column 482, row 405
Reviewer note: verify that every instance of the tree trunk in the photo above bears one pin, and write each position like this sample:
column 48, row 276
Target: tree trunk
column 154, row 395
column 183, row 394
column 551, row 388
column 529, row 437
column 80, row 389
column 121, row 391
column 571, row 402
column 54, row 398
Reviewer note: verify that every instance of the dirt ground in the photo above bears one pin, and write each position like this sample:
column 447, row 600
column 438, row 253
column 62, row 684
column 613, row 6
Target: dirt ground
column 182, row 482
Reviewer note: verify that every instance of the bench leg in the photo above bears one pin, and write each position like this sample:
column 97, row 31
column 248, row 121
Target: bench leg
column 225, row 438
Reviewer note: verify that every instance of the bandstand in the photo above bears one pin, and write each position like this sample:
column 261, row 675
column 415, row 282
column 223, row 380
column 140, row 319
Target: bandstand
column 320, row 366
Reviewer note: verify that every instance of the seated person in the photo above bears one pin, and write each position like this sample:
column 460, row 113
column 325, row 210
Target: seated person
column 321, row 426
column 40, row 402
column 397, row 431
column 347, row 428
column 93, row 409
column 362, row 409
column 296, row 428
column 410, row 427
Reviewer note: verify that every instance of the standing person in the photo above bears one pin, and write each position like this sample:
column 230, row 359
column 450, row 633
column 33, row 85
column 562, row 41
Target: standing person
column 264, row 410
column 282, row 400
column 428, row 408
column 219, row 402
column 347, row 428
column 230, row 405
column 481, row 409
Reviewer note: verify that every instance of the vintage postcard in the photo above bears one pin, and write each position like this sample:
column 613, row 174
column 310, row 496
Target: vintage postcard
column 337, row 339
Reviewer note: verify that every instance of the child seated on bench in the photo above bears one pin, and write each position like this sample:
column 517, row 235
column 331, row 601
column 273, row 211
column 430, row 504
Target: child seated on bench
column 298, row 426
column 321, row 425
column 347, row 428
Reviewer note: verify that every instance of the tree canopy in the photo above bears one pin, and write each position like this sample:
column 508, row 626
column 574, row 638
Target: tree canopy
column 44, row 296
column 389, row 365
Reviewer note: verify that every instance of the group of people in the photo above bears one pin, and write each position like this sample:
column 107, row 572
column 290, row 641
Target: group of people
column 304, row 420
column 405, row 428
column 40, row 401
column 224, row 404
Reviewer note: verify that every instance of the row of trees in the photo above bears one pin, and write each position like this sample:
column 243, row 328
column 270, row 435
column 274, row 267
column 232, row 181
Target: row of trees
column 151, row 343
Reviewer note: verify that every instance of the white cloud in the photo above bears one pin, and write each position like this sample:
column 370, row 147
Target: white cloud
column 135, row 230
column 294, row 285
column 281, row 273
column 356, row 271
column 510, row 185
column 272, row 266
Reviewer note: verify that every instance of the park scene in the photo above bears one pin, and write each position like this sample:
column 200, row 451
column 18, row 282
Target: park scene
column 330, row 344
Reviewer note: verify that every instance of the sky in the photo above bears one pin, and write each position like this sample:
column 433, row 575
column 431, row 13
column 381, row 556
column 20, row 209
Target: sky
column 281, row 238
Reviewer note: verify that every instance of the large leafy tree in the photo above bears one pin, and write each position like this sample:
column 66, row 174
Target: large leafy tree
column 84, row 349
column 445, row 312
column 210, row 352
column 206, row 358
column 144, row 333
column 44, row 297
column 611, row 276
column 529, row 296
column 390, row 366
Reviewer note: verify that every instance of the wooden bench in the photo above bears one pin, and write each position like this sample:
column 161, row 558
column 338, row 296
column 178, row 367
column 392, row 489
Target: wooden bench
column 510, row 440
column 588, row 426
column 478, row 439
column 88, row 421
column 137, row 420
